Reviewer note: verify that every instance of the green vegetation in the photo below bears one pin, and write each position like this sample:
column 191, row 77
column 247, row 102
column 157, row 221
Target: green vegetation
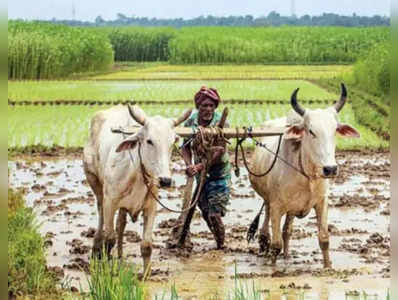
column 151, row 71
column 270, row 45
column 113, row 279
column 370, row 111
column 38, row 50
column 157, row 90
column 372, row 72
column 68, row 126
column 41, row 50
column 27, row 272
column 141, row 44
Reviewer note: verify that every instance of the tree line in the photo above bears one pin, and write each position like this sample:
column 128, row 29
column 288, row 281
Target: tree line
column 273, row 19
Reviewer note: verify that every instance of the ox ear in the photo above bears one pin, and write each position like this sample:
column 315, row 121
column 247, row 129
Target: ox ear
column 347, row 131
column 294, row 132
column 128, row 143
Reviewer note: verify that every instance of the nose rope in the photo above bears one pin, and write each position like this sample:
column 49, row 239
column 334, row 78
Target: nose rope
column 148, row 181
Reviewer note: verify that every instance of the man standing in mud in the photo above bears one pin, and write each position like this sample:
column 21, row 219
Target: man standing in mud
column 214, row 197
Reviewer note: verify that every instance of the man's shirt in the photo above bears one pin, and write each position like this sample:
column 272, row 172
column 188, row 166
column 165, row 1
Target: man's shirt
column 222, row 169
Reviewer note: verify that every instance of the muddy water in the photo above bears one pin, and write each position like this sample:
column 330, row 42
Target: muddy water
column 358, row 217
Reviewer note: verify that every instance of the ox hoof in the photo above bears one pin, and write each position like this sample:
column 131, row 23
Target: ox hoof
column 274, row 254
column 263, row 241
column 327, row 265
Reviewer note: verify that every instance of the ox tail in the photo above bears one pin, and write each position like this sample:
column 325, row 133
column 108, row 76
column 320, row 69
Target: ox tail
column 254, row 226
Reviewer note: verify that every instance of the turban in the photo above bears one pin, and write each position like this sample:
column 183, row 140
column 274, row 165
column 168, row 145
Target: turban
column 206, row 93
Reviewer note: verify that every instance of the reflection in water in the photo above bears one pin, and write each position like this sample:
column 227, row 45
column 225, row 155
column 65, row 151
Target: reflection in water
column 66, row 208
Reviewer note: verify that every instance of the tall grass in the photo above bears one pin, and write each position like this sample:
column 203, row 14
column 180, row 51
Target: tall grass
column 372, row 71
column 27, row 272
column 266, row 45
column 38, row 50
column 141, row 44
column 113, row 279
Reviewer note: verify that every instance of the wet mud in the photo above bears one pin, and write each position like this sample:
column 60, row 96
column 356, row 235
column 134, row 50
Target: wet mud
column 359, row 217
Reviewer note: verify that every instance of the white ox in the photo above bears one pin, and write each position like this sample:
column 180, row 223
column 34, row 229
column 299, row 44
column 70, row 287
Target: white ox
column 115, row 175
column 308, row 144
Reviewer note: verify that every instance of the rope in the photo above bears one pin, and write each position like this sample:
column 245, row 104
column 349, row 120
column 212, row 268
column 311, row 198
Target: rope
column 149, row 185
column 276, row 155
column 239, row 144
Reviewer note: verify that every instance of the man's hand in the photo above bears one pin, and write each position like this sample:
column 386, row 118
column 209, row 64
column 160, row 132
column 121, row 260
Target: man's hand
column 192, row 170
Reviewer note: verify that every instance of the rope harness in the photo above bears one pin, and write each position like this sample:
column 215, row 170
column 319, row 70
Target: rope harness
column 202, row 143
column 247, row 133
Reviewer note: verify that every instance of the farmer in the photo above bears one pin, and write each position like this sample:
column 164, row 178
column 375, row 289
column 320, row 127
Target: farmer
column 215, row 193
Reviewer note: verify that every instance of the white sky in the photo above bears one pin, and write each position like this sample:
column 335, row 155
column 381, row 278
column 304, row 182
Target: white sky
column 90, row 9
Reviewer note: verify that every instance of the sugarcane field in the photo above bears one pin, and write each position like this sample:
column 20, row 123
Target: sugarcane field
column 199, row 161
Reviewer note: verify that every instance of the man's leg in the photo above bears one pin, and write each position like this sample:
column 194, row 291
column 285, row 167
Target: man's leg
column 218, row 199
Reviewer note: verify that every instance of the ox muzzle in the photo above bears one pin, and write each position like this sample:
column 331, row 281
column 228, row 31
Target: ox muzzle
column 330, row 171
column 165, row 181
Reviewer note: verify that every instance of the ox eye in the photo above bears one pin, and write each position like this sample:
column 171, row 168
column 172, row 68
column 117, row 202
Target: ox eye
column 149, row 142
column 312, row 133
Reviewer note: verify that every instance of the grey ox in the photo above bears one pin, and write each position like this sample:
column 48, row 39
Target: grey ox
column 114, row 165
column 308, row 145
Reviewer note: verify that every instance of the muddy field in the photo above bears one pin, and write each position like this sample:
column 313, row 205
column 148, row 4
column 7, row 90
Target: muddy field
column 359, row 217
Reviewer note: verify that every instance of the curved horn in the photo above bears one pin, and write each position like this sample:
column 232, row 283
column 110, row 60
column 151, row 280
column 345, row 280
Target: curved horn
column 339, row 104
column 136, row 114
column 181, row 119
column 295, row 105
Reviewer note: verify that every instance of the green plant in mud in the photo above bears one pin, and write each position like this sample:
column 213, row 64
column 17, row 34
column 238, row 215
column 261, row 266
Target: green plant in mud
column 164, row 71
column 27, row 272
column 161, row 90
column 114, row 279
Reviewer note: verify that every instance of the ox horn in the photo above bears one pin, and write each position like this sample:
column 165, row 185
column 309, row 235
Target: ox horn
column 339, row 104
column 181, row 119
column 295, row 105
column 136, row 114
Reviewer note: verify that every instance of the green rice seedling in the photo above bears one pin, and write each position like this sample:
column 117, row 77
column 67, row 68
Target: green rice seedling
column 113, row 279
column 149, row 71
column 68, row 126
column 161, row 90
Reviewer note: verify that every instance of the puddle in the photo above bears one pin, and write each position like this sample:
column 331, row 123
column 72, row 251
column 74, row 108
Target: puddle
column 358, row 224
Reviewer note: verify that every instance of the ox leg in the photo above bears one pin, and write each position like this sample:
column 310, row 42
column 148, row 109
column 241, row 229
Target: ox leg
column 96, row 186
column 287, row 232
column 321, row 210
column 110, row 235
column 120, row 226
column 146, row 244
column 276, row 241
column 264, row 238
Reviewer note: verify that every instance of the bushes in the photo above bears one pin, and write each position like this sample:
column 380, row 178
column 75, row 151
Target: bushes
column 372, row 71
column 38, row 50
column 27, row 273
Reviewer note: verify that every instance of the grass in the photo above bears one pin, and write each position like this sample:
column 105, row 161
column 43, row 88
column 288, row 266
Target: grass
column 27, row 272
column 158, row 90
column 173, row 72
column 370, row 111
column 68, row 126
column 114, row 279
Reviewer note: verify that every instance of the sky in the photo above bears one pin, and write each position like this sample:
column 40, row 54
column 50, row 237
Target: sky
column 88, row 10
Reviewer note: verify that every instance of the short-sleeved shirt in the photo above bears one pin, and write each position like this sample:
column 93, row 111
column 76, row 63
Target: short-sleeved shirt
column 223, row 168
